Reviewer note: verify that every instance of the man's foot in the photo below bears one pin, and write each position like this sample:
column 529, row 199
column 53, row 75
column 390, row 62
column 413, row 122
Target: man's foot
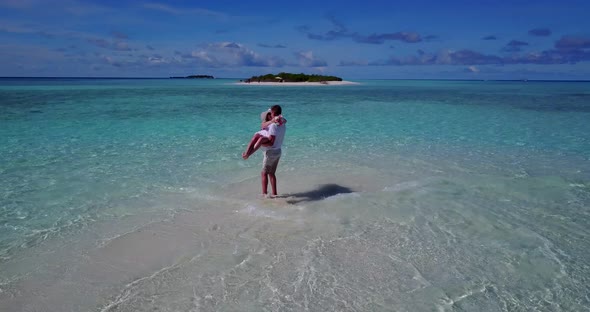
column 245, row 156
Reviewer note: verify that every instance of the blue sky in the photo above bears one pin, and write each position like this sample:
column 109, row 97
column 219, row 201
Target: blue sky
column 238, row 39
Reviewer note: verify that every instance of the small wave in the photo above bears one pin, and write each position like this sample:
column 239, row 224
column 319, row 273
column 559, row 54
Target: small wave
column 130, row 290
column 36, row 237
column 403, row 186
column 255, row 211
column 448, row 303
column 182, row 190
column 210, row 197
column 106, row 241
column 413, row 185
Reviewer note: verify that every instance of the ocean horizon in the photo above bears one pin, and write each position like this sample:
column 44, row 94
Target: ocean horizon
column 130, row 194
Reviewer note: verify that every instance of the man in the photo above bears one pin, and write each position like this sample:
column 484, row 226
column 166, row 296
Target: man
column 272, row 152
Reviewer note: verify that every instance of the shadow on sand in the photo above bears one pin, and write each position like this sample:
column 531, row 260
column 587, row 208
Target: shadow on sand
column 323, row 191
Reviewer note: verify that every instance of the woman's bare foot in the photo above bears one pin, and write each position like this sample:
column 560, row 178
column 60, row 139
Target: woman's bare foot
column 245, row 156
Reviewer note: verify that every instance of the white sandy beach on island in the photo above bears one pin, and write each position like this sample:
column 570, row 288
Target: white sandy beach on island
column 325, row 83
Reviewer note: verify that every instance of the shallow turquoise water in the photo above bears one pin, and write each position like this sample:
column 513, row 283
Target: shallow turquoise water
column 445, row 195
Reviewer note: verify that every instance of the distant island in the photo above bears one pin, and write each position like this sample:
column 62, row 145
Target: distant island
column 194, row 77
column 289, row 77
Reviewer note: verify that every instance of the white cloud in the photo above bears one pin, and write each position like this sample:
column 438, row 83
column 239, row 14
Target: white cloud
column 307, row 59
column 183, row 11
column 156, row 60
column 233, row 54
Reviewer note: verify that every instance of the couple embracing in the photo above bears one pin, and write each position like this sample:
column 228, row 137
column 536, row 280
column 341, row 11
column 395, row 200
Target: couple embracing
column 270, row 138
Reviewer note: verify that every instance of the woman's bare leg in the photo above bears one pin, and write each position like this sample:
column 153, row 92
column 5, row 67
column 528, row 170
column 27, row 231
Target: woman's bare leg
column 250, row 148
column 261, row 140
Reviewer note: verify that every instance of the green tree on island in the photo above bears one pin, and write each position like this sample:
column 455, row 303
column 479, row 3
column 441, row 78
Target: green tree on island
column 289, row 77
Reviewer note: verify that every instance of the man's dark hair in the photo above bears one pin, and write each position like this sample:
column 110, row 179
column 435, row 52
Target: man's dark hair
column 276, row 109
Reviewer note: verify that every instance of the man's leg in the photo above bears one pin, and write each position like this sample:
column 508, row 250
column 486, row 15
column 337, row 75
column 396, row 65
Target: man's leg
column 269, row 167
column 273, row 177
column 264, row 179
column 273, row 183
column 264, row 173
